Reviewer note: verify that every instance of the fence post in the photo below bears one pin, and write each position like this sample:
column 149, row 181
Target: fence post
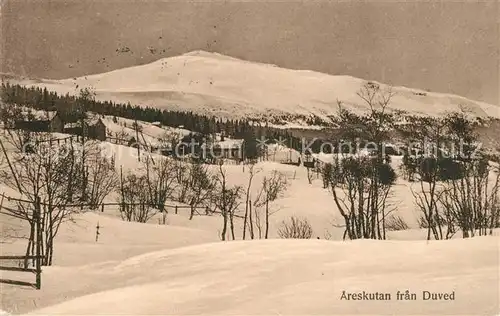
column 38, row 244
column 176, row 209
column 102, row 208
column 97, row 233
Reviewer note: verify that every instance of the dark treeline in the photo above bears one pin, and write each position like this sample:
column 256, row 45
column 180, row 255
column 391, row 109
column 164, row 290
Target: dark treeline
column 68, row 106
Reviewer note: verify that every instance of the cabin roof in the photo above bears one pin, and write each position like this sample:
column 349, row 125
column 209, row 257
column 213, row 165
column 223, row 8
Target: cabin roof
column 90, row 121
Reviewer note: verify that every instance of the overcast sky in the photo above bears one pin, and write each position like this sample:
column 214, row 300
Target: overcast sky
column 449, row 46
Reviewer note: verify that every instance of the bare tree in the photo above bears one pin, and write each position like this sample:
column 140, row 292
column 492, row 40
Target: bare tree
column 427, row 197
column 135, row 200
column 183, row 179
column 201, row 187
column 375, row 126
column 248, row 218
column 44, row 176
column 160, row 181
column 226, row 199
column 431, row 135
column 101, row 176
column 361, row 185
column 326, row 174
column 295, row 228
column 272, row 188
column 472, row 199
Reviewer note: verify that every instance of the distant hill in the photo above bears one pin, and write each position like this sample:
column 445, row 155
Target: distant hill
column 214, row 84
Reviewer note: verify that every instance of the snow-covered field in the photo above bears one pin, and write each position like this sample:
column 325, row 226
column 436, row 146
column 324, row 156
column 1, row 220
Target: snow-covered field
column 213, row 84
column 275, row 277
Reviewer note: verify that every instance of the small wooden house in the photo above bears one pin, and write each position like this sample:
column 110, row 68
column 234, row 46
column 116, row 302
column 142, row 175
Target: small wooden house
column 94, row 128
column 41, row 121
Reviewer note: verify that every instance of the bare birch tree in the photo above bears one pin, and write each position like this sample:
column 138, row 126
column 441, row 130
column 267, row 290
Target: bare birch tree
column 248, row 218
column 429, row 134
column 226, row 199
column 161, row 182
column 472, row 199
column 272, row 187
column 46, row 173
column 101, row 176
column 361, row 185
column 184, row 181
column 201, row 187
column 135, row 200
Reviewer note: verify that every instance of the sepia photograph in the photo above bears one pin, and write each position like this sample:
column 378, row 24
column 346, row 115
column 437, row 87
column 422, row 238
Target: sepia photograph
column 250, row 157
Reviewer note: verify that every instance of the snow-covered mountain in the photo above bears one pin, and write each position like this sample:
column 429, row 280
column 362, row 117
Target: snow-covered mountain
column 215, row 84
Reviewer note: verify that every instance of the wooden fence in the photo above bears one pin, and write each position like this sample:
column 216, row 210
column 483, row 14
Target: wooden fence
column 199, row 210
column 37, row 258
column 37, row 270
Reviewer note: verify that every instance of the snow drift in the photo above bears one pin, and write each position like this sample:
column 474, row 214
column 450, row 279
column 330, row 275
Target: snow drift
column 301, row 277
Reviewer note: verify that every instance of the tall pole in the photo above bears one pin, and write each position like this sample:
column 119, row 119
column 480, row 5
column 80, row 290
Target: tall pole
column 38, row 243
column 122, row 204
column 137, row 140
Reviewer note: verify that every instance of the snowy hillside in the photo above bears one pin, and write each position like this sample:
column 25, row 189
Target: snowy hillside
column 150, row 134
column 210, row 83
column 180, row 266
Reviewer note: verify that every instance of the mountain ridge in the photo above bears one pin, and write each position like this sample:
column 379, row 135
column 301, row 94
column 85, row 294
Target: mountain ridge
column 220, row 85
